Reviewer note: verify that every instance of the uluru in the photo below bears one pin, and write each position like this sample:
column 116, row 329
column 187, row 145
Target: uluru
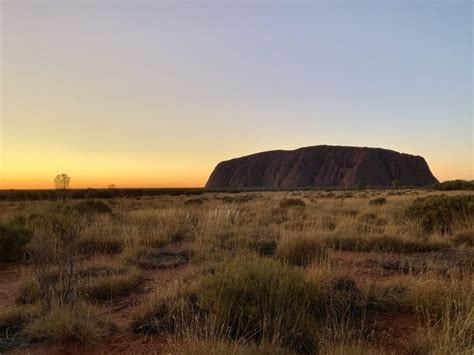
column 322, row 166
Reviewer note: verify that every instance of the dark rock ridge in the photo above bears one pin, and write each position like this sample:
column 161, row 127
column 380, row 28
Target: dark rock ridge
column 323, row 166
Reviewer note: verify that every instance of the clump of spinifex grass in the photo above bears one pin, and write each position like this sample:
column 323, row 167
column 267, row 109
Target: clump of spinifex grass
column 13, row 238
column 385, row 244
column 14, row 319
column 78, row 324
column 379, row 201
column 97, row 282
column 301, row 250
column 445, row 309
column 108, row 288
column 464, row 238
column 441, row 213
column 292, row 202
column 259, row 300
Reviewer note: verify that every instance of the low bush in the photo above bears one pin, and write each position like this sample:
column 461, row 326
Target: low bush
column 301, row 251
column 463, row 238
column 441, row 213
column 108, row 288
column 194, row 201
column 28, row 292
column 14, row 319
column 237, row 199
column 438, row 299
column 379, row 201
column 158, row 258
column 95, row 282
column 77, row 324
column 454, row 185
column 13, row 238
column 384, row 244
column 389, row 297
column 92, row 207
column 94, row 244
column 173, row 312
column 292, row 202
column 258, row 299
column 264, row 246
column 340, row 300
column 431, row 298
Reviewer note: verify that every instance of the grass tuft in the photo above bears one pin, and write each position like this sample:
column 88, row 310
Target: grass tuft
column 301, row 251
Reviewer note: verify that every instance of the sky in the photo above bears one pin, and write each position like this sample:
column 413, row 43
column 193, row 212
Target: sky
column 156, row 93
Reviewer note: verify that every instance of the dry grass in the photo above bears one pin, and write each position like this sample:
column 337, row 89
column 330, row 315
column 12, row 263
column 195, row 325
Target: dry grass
column 264, row 275
column 68, row 324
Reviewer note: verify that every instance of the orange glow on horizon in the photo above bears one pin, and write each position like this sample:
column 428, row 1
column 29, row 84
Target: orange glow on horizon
column 80, row 183
column 194, row 181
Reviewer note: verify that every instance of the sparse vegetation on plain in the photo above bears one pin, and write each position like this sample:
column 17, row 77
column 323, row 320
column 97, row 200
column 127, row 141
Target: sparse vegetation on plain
column 246, row 273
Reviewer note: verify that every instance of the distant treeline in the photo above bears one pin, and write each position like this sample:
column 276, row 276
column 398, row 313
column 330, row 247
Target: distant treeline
column 75, row 194
column 109, row 193
column 454, row 185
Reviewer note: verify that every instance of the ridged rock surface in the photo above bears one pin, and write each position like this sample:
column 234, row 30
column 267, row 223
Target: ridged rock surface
column 323, row 166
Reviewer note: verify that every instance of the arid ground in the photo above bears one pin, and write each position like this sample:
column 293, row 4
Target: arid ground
column 327, row 272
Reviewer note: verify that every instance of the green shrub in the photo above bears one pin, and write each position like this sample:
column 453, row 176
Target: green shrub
column 440, row 213
column 379, row 201
column 13, row 238
column 301, row 251
column 292, row 202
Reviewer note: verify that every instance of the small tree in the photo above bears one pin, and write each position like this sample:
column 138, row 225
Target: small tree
column 62, row 182
column 396, row 184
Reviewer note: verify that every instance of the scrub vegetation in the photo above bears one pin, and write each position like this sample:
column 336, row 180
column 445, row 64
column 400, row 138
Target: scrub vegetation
column 296, row 272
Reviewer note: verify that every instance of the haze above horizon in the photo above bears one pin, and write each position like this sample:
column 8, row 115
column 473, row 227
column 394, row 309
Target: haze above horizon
column 155, row 94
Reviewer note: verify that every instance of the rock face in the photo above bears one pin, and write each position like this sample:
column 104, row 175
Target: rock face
column 322, row 166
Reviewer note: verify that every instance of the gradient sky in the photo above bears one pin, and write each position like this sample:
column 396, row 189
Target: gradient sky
column 142, row 93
